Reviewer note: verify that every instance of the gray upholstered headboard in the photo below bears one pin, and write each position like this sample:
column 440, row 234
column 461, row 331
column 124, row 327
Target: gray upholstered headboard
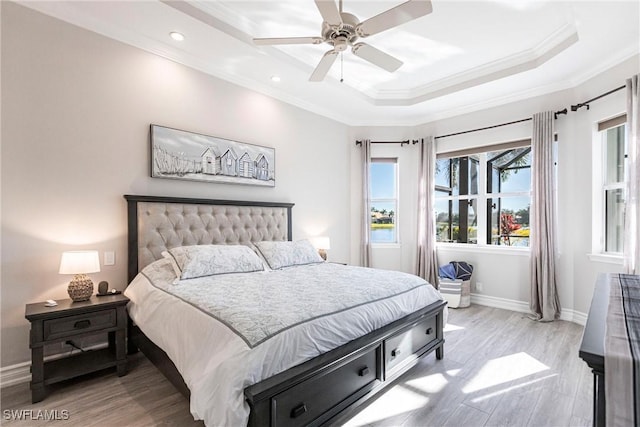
column 159, row 223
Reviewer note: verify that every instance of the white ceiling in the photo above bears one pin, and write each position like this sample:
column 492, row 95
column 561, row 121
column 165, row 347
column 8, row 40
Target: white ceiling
column 464, row 56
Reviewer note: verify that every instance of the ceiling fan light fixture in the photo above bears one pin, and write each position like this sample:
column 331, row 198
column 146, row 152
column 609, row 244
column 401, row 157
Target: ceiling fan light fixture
column 176, row 36
column 341, row 30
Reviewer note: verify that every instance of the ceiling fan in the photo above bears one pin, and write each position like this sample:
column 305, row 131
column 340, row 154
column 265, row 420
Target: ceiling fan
column 341, row 30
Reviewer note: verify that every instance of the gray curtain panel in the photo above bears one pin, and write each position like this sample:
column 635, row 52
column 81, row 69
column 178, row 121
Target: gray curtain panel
column 427, row 265
column 544, row 303
column 365, row 244
column 631, row 251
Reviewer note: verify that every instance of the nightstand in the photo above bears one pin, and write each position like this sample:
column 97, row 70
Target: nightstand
column 71, row 321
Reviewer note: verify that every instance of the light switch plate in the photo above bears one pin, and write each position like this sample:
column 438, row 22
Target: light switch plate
column 109, row 258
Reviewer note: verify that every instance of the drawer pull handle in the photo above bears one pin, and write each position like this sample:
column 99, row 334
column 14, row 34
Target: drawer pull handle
column 298, row 410
column 395, row 352
column 429, row 331
column 364, row 371
column 81, row 324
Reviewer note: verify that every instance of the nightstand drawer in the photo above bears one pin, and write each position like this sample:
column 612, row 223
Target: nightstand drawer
column 71, row 325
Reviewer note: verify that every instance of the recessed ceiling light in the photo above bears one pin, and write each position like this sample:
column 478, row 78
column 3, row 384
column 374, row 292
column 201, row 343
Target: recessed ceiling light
column 176, row 36
column 275, row 79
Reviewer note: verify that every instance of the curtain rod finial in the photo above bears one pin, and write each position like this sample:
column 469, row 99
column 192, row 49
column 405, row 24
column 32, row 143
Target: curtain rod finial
column 557, row 113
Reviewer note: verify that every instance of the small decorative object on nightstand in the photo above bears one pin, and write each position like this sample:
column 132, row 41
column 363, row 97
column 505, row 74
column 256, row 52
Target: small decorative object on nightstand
column 80, row 263
column 322, row 244
column 71, row 320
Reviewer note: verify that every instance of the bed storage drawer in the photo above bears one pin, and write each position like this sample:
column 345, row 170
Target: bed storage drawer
column 402, row 348
column 303, row 403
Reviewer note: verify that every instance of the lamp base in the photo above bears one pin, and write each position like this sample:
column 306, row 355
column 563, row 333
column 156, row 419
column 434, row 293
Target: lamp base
column 80, row 288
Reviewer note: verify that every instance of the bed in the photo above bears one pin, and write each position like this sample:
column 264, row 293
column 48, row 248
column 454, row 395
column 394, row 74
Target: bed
column 274, row 370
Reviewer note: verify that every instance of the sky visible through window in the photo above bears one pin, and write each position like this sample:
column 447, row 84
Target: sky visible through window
column 383, row 184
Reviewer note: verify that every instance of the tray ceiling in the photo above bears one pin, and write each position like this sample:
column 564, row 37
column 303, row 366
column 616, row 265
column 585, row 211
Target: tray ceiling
column 464, row 56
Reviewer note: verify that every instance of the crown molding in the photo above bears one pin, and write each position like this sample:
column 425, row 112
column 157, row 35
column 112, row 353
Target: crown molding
column 526, row 60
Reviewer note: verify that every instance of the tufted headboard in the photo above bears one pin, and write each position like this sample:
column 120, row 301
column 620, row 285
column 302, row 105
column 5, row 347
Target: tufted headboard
column 159, row 223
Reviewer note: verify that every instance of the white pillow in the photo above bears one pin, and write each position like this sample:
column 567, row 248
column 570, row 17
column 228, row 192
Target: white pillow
column 206, row 260
column 286, row 254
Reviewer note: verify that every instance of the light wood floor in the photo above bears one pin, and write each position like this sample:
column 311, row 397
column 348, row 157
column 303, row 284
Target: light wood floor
column 499, row 369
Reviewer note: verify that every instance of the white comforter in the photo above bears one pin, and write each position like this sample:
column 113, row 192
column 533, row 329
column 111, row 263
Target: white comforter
column 220, row 349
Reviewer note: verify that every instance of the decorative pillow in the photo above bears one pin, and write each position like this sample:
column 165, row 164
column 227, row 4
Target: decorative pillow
column 286, row 254
column 207, row 260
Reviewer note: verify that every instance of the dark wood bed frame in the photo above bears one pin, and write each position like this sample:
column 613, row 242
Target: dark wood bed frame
column 321, row 390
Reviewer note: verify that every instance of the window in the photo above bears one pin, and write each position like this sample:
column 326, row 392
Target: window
column 484, row 197
column 612, row 192
column 384, row 200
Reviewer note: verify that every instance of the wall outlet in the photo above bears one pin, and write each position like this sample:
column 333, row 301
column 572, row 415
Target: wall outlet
column 479, row 287
column 109, row 258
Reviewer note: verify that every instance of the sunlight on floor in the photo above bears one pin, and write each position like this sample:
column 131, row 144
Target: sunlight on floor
column 397, row 400
column 430, row 383
column 513, row 388
column 504, row 369
column 449, row 327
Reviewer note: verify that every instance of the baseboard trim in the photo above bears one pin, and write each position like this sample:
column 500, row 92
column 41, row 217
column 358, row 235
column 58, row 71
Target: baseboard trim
column 503, row 303
column 523, row 307
column 15, row 374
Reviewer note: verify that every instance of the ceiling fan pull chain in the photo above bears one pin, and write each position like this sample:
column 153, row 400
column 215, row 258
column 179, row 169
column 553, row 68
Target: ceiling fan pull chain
column 341, row 63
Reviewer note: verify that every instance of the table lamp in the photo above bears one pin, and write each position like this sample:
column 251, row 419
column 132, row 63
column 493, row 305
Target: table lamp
column 79, row 263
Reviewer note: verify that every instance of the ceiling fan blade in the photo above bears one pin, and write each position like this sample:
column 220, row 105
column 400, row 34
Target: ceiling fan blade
column 287, row 40
column 398, row 15
column 329, row 12
column 324, row 66
column 376, row 57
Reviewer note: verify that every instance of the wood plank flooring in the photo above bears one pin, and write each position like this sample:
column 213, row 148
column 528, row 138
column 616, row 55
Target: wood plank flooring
column 499, row 369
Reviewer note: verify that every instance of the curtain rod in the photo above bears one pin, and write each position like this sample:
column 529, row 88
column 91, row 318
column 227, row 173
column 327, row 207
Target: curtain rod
column 555, row 116
column 413, row 141
column 586, row 103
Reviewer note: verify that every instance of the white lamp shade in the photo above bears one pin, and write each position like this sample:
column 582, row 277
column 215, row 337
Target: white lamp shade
column 79, row 262
column 321, row 242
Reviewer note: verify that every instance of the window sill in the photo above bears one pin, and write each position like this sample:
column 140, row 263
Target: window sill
column 496, row 250
column 386, row 245
column 607, row 258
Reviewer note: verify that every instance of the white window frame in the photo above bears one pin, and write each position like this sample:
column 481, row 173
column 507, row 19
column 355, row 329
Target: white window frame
column 396, row 201
column 600, row 188
column 483, row 196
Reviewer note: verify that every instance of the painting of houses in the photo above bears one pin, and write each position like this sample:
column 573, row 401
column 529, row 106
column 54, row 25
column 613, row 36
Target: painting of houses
column 179, row 154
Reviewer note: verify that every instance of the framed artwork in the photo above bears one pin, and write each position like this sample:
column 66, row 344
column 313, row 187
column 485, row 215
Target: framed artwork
column 178, row 154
